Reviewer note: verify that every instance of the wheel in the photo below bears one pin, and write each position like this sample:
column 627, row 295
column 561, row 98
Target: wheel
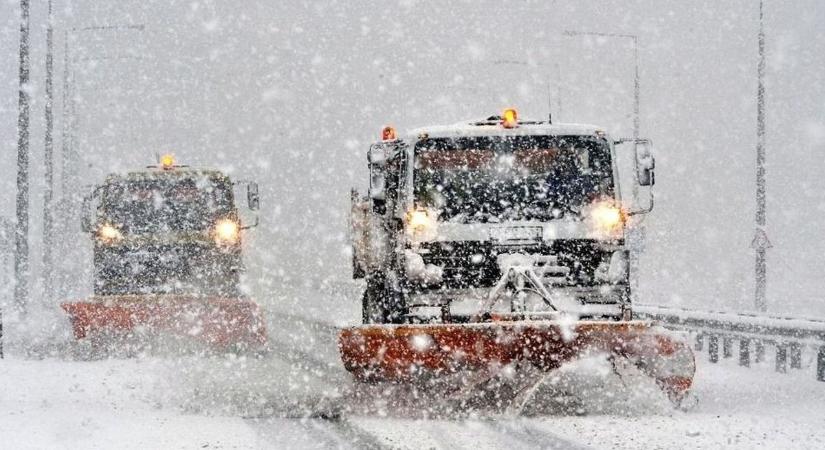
column 220, row 276
column 357, row 271
column 105, row 282
column 373, row 302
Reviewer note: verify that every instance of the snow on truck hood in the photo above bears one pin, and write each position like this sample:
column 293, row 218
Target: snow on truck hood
column 470, row 128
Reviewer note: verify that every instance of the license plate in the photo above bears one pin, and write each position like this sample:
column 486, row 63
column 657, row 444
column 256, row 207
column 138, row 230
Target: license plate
column 516, row 235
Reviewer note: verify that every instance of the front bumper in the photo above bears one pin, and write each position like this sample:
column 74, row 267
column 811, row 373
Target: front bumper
column 606, row 301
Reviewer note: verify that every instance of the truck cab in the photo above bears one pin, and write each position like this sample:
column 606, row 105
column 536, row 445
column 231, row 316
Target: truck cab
column 451, row 208
column 167, row 229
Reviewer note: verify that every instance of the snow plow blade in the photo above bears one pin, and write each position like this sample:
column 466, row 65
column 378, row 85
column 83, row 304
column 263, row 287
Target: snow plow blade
column 219, row 322
column 410, row 353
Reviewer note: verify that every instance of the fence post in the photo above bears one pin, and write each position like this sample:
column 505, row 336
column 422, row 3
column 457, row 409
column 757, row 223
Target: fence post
column 781, row 358
column 700, row 340
column 759, row 346
column 820, row 364
column 713, row 348
column 727, row 346
column 796, row 355
column 745, row 352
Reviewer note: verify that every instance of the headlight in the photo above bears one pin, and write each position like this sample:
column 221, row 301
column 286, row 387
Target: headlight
column 108, row 234
column 422, row 224
column 227, row 232
column 606, row 219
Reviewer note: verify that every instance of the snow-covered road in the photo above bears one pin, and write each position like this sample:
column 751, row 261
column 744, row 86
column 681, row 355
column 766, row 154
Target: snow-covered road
column 300, row 397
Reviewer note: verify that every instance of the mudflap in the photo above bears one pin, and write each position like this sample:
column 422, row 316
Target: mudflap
column 421, row 352
column 220, row 323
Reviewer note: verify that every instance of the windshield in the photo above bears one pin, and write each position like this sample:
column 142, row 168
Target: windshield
column 166, row 204
column 489, row 179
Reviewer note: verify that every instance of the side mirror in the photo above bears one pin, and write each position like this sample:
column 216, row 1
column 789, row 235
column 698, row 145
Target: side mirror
column 637, row 169
column 377, row 159
column 645, row 163
column 253, row 199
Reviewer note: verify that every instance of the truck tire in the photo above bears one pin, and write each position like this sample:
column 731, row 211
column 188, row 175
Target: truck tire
column 104, row 275
column 380, row 303
column 104, row 282
column 222, row 277
column 374, row 301
column 357, row 271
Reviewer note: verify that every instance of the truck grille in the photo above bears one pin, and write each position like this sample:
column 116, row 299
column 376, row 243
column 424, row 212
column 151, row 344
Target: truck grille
column 474, row 264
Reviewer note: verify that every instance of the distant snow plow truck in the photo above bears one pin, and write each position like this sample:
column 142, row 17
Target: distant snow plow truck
column 497, row 247
column 167, row 261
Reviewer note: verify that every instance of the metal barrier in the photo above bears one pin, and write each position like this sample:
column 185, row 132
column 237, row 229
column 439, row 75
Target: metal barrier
column 789, row 336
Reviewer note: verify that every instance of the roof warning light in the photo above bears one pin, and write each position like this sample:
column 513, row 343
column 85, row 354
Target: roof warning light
column 388, row 134
column 510, row 118
column 167, row 162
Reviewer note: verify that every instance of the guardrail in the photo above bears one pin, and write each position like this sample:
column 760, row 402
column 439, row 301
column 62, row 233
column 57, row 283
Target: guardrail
column 791, row 337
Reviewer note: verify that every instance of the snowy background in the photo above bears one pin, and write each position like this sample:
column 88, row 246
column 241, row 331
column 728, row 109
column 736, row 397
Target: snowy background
column 291, row 94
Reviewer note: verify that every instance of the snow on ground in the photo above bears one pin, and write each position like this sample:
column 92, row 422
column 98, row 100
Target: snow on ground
column 737, row 408
column 289, row 399
column 134, row 404
column 64, row 404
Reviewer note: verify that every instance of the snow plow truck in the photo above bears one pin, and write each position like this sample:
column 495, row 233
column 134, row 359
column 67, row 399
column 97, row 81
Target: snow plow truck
column 167, row 252
column 498, row 246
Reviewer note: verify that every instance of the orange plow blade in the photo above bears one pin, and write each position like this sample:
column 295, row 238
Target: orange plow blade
column 216, row 321
column 405, row 353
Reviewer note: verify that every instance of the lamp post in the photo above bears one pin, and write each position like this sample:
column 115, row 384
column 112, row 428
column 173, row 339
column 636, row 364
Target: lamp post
column 21, row 235
column 48, row 158
column 760, row 241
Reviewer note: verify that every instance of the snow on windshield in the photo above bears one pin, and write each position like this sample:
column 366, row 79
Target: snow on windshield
column 483, row 179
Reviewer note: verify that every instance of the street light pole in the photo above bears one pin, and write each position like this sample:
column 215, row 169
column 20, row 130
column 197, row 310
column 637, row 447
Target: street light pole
column 65, row 145
column 48, row 157
column 636, row 89
column 760, row 241
column 21, row 235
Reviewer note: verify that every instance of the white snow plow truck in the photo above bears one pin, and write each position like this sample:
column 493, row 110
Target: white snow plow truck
column 167, row 246
column 499, row 244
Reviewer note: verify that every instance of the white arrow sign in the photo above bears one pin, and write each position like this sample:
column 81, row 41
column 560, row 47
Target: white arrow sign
column 760, row 240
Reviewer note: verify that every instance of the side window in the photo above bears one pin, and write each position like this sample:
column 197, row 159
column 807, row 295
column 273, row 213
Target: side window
column 401, row 170
column 583, row 158
column 222, row 193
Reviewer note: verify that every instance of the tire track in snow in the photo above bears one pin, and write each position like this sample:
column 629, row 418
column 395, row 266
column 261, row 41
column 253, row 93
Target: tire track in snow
column 278, row 432
column 315, row 324
column 335, row 423
column 356, row 435
column 302, row 354
column 328, row 371
column 533, row 436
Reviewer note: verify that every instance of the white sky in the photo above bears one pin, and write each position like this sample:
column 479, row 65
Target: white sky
column 291, row 94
